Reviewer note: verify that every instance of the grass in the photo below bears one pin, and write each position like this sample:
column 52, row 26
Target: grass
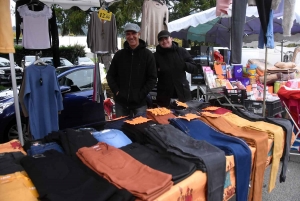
column 2, row 87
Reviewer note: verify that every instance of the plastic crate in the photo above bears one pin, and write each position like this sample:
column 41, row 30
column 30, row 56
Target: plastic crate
column 236, row 96
column 272, row 107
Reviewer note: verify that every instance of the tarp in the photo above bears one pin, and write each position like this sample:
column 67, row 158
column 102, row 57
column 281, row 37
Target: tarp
column 203, row 17
column 202, row 26
column 82, row 4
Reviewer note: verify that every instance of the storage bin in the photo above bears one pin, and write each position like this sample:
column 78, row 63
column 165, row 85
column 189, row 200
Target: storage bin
column 236, row 96
column 272, row 107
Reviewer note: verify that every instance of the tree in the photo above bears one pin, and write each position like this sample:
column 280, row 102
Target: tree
column 72, row 20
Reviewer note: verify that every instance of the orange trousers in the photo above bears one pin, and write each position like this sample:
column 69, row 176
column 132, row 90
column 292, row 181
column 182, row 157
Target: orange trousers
column 17, row 186
column 124, row 171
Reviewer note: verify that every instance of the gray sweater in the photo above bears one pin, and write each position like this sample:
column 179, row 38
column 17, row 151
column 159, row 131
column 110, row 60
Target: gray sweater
column 153, row 17
column 102, row 35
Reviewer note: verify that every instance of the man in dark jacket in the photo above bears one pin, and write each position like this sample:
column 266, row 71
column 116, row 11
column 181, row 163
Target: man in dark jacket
column 172, row 62
column 132, row 74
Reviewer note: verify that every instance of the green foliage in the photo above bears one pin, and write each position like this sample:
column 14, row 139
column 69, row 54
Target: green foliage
column 127, row 11
column 292, row 45
column 68, row 52
column 2, row 87
column 71, row 21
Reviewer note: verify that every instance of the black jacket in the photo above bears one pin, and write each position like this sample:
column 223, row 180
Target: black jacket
column 132, row 73
column 172, row 63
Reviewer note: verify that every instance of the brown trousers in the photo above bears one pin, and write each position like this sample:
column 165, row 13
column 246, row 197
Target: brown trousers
column 124, row 171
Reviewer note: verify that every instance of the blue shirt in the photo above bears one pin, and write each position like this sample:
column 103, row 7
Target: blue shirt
column 43, row 100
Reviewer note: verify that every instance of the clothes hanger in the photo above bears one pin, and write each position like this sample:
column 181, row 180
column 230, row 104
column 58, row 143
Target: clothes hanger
column 38, row 60
column 34, row 3
column 159, row 1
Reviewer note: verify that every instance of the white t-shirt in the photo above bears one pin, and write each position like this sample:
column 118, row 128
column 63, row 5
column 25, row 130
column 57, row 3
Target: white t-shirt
column 35, row 27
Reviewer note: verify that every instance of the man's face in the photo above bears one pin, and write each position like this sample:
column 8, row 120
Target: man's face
column 165, row 42
column 132, row 38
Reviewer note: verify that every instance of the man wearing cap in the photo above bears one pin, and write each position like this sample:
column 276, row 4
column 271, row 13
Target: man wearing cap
column 132, row 74
column 172, row 62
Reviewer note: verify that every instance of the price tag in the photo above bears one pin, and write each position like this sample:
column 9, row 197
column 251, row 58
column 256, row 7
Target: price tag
column 104, row 15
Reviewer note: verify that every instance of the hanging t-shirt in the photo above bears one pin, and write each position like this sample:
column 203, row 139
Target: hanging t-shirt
column 155, row 18
column 35, row 27
column 6, row 33
column 42, row 99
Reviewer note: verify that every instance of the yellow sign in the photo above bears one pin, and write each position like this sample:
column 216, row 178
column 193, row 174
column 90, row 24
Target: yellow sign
column 104, row 15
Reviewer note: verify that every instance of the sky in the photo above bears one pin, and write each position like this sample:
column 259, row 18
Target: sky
column 12, row 6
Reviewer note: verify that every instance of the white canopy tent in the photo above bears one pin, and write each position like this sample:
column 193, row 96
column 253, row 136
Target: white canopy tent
column 82, row 4
column 210, row 14
column 65, row 4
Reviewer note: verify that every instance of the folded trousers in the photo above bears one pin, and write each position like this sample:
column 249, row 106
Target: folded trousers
column 125, row 172
column 160, row 119
column 201, row 153
column 286, row 126
column 165, row 162
column 115, row 124
column 12, row 146
column 241, row 151
column 58, row 178
column 260, row 141
column 112, row 137
column 41, row 148
column 274, row 132
column 137, row 132
column 10, row 162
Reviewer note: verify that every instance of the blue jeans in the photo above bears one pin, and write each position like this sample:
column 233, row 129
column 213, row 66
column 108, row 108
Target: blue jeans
column 241, row 151
column 112, row 137
column 123, row 111
column 41, row 148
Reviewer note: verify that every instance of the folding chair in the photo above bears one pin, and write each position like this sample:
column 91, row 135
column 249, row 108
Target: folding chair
column 212, row 91
column 294, row 125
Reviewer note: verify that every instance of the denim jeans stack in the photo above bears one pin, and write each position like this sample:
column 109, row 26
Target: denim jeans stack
column 37, row 149
column 207, row 157
column 230, row 145
column 163, row 161
column 137, row 132
column 112, row 137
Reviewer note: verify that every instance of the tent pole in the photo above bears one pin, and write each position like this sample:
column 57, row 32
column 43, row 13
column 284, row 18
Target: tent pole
column 281, row 50
column 16, row 97
column 265, row 83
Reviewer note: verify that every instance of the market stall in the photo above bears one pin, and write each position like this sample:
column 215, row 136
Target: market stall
column 134, row 158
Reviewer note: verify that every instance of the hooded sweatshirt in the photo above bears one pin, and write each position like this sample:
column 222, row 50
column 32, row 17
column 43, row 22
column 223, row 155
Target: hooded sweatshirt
column 132, row 73
column 172, row 63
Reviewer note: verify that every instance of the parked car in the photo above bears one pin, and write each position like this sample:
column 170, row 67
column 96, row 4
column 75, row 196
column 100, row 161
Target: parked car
column 76, row 84
column 5, row 73
column 84, row 61
column 63, row 61
column 27, row 61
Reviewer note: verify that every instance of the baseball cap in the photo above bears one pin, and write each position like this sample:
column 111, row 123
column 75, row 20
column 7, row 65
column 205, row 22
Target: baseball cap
column 131, row 27
column 163, row 34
